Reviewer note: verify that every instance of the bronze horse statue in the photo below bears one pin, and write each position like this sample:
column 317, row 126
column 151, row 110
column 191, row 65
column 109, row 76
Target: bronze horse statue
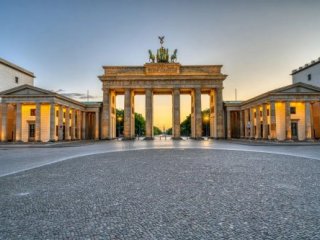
column 174, row 56
column 152, row 58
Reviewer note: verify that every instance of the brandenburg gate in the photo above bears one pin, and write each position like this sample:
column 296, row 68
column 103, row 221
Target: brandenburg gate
column 162, row 77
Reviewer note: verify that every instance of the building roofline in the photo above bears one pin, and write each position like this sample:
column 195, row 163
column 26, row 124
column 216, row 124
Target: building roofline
column 306, row 66
column 277, row 90
column 16, row 67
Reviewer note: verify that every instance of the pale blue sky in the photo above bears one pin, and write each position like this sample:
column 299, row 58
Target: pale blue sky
column 65, row 43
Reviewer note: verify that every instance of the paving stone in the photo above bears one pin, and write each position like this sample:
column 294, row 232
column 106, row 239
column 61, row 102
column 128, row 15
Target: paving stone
column 165, row 194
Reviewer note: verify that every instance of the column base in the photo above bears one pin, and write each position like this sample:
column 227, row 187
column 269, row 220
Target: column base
column 128, row 138
column 197, row 138
column 148, row 138
column 176, row 138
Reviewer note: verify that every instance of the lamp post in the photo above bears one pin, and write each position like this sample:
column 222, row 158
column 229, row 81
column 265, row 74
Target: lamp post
column 206, row 120
column 119, row 121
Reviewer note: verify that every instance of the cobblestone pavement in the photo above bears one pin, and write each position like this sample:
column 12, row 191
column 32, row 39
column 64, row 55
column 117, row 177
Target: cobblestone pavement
column 19, row 157
column 165, row 194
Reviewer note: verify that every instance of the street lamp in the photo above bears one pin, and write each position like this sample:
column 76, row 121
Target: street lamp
column 119, row 121
column 206, row 120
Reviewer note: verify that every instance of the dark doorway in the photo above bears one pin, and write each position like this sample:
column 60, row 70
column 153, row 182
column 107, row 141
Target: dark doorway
column 294, row 130
column 32, row 130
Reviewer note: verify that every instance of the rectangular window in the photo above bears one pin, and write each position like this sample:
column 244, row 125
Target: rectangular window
column 57, row 130
column 268, row 112
column 292, row 110
column 260, row 113
column 309, row 77
column 32, row 112
column 57, row 113
column 16, row 79
column 255, row 114
column 64, row 115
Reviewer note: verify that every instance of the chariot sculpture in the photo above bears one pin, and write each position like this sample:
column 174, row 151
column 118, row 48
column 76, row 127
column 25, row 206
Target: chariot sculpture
column 163, row 54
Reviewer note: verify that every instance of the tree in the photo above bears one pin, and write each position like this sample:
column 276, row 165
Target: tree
column 156, row 131
column 140, row 124
column 185, row 126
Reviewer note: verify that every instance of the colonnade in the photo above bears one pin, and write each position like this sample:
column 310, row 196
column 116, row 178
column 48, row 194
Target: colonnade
column 262, row 121
column 62, row 122
column 109, row 116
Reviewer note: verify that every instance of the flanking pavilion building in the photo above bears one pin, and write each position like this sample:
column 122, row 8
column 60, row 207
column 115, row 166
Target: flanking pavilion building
column 31, row 114
column 288, row 113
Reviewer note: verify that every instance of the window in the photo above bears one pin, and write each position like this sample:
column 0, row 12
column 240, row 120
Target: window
column 16, row 79
column 292, row 110
column 57, row 113
column 32, row 112
column 260, row 113
column 309, row 77
column 268, row 112
column 57, row 130
column 64, row 115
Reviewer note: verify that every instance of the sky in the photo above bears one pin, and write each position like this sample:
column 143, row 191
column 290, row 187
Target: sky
column 66, row 43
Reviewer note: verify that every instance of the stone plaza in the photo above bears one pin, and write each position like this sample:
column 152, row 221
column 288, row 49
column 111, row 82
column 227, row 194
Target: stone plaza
column 159, row 190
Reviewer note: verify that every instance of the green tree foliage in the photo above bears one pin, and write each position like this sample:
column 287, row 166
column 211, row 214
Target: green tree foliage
column 156, row 131
column 140, row 124
column 185, row 126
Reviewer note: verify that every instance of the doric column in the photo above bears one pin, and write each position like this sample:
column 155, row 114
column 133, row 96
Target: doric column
column 241, row 124
column 18, row 122
column 128, row 132
column 106, row 112
column 219, row 113
column 192, row 120
column 264, row 121
column 258, row 123
column 228, row 124
column 60, row 125
column 176, row 114
column 149, row 114
column 288, row 121
column 308, row 117
column 273, row 125
column 213, row 119
column 52, row 122
column 79, row 124
column 83, row 127
column 198, row 115
column 38, row 123
column 4, row 120
column 252, row 133
column 96, row 127
column 73, row 124
column 246, row 120
column 67, row 124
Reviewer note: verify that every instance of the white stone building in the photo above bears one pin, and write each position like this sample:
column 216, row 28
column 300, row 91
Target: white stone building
column 309, row 73
column 12, row 75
